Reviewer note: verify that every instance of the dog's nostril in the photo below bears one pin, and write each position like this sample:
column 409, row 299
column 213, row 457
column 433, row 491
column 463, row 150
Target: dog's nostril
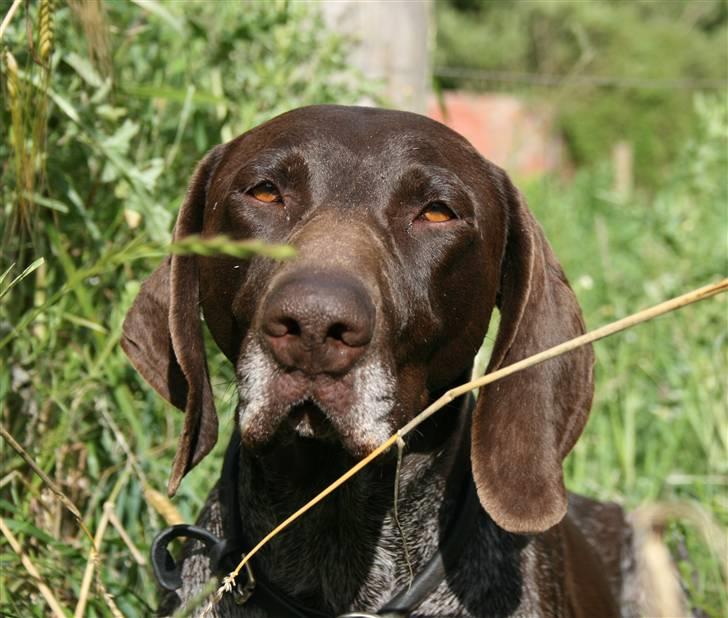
column 350, row 334
column 337, row 331
column 282, row 327
column 292, row 327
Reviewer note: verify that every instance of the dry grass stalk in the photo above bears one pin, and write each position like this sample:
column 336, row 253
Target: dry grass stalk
column 73, row 509
column 663, row 596
column 93, row 554
column 600, row 333
column 55, row 606
column 9, row 17
column 12, row 476
column 92, row 15
column 23, row 172
column 94, row 563
column 163, row 505
column 116, row 522
column 88, row 573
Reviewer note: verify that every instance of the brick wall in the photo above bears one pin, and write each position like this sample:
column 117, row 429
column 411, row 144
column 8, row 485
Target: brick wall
column 514, row 133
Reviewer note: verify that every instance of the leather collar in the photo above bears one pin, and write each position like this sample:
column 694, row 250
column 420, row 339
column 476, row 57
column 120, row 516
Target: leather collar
column 225, row 553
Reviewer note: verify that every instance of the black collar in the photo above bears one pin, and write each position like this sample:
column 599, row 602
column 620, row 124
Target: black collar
column 226, row 553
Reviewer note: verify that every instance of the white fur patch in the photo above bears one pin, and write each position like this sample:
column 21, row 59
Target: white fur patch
column 255, row 370
column 374, row 391
column 362, row 427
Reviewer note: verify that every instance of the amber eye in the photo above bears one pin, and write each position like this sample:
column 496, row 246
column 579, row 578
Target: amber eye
column 266, row 192
column 437, row 212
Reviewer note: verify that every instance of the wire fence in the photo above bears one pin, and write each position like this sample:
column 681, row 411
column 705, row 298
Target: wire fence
column 603, row 81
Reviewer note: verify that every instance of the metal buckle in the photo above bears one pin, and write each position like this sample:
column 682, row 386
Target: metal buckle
column 167, row 572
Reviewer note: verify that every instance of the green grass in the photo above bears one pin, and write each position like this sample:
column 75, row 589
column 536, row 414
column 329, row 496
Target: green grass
column 658, row 430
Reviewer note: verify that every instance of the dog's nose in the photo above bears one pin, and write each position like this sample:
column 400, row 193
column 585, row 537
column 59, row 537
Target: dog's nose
column 318, row 323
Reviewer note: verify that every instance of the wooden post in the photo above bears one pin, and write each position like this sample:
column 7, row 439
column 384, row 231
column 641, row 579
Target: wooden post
column 392, row 43
column 623, row 162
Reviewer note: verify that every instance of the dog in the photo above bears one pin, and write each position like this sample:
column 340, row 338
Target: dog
column 406, row 239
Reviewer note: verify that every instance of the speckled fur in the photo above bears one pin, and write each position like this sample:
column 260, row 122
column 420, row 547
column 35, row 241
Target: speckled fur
column 347, row 554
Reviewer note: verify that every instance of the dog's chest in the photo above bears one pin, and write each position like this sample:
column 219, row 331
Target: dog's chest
column 487, row 579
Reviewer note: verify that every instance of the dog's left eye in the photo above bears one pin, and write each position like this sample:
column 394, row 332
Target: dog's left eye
column 267, row 193
column 437, row 212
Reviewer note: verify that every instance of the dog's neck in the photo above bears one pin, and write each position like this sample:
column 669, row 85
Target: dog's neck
column 349, row 551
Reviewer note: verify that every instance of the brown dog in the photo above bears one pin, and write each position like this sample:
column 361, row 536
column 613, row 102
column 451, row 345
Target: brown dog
column 406, row 240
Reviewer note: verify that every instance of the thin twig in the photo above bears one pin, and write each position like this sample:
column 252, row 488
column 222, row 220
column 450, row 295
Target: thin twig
column 55, row 606
column 600, row 333
column 595, row 335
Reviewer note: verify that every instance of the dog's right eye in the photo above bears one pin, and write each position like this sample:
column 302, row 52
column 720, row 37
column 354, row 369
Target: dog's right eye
column 267, row 193
column 437, row 212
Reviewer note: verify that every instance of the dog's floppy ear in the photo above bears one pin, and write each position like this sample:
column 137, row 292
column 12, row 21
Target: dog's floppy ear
column 162, row 334
column 524, row 425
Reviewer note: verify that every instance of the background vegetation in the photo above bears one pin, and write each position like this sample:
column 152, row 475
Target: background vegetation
column 106, row 109
column 613, row 70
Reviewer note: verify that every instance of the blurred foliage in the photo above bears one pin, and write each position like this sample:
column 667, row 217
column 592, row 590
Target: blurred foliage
column 106, row 107
column 658, row 425
column 639, row 42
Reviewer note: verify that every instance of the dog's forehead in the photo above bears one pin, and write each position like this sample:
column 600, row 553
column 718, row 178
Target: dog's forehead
column 358, row 127
column 355, row 134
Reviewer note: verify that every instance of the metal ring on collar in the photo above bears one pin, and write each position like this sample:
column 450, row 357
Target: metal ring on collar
column 169, row 573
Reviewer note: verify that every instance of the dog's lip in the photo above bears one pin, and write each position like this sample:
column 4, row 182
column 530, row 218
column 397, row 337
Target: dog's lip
column 308, row 420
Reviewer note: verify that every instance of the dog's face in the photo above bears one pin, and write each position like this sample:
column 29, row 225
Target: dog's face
column 347, row 341
column 406, row 239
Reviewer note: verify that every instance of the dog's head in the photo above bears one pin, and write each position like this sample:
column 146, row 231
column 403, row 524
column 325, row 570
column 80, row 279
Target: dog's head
column 406, row 239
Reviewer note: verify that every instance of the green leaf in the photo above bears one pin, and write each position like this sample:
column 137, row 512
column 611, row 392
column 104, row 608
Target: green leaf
column 157, row 9
column 85, row 323
column 84, row 68
column 35, row 265
column 222, row 245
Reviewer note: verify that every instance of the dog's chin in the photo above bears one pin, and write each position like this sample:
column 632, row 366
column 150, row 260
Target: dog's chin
column 305, row 448
column 303, row 425
column 307, row 420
